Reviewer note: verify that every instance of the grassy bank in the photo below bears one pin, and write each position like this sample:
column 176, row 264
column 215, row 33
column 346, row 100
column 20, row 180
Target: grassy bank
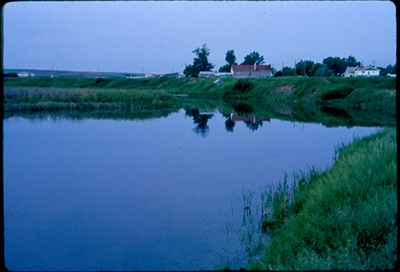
column 67, row 105
column 343, row 218
column 53, row 99
column 373, row 94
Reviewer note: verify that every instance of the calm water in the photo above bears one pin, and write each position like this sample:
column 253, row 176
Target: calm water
column 156, row 194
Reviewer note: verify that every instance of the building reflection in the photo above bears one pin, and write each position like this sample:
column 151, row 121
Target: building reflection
column 200, row 119
column 252, row 121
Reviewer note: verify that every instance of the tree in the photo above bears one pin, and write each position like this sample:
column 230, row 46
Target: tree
column 200, row 62
column 225, row 68
column 352, row 62
column 190, row 71
column 322, row 70
column 336, row 64
column 305, row 67
column 230, row 57
column 390, row 69
column 287, row 71
column 252, row 58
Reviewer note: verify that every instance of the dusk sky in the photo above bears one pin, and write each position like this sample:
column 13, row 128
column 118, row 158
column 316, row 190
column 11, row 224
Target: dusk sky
column 159, row 36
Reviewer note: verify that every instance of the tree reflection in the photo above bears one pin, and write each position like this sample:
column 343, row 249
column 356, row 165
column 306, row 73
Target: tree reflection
column 229, row 125
column 200, row 120
column 246, row 116
column 191, row 112
column 251, row 120
column 253, row 125
column 241, row 108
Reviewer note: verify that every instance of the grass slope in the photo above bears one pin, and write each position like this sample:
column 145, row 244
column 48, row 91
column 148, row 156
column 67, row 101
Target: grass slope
column 357, row 93
column 344, row 218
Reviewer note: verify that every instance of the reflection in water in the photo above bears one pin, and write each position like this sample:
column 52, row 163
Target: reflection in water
column 252, row 121
column 242, row 114
column 253, row 125
column 229, row 125
column 243, row 108
column 95, row 114
column 251, row 240
column 200, row 119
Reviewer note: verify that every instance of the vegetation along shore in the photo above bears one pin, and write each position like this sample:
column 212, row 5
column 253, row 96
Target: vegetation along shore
column 375, row 94
column 343, row 218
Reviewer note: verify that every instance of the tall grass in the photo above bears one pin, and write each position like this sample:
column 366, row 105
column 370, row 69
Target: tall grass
column 51, row 99
column 343, row 218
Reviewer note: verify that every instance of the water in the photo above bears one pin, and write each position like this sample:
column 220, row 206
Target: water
column 163, row 193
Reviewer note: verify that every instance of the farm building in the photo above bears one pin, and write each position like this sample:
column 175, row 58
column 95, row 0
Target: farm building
column 361, row 71
column 25, row 74
column 146, row 75
column 256, row 70
column 206, row 74
column 223, row 74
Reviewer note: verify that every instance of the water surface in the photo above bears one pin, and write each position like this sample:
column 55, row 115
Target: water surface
column 152, row 194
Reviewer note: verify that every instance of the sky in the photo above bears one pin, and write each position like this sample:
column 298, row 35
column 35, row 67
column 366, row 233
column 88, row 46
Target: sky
column 160, row 36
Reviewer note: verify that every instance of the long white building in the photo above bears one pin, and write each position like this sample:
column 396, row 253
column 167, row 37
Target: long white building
column 361, row 71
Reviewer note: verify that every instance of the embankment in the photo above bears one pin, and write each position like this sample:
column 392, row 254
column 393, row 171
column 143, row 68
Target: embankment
column 375, row 94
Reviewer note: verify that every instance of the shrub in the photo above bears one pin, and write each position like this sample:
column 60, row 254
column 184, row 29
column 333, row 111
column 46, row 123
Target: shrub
column 243, row 108
column 337, row 93
column 243, row 85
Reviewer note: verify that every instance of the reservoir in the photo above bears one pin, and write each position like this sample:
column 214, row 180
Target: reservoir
column 146, row 194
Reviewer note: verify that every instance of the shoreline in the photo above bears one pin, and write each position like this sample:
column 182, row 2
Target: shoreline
column 299, row 96
column 340, row 218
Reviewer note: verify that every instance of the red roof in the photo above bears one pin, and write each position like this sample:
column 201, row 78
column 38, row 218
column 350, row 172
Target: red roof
column 250, row 67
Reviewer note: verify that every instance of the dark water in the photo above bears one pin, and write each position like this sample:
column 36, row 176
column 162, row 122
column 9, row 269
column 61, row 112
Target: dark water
column 155, row 194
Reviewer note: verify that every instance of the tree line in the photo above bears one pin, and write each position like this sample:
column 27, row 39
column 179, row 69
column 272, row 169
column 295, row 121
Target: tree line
column 201, row 63
column 330, row 66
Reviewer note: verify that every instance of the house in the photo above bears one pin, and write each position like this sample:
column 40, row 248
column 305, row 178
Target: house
column 391, row 75
column 151, row 75
column 207, row 74
column 134, row 75
column 25, row 74
column 361, row 71
column 223, row 74
column 256, row 70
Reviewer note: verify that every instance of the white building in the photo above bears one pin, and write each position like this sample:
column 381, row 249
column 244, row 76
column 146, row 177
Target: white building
column 223, row 74
column 361, row 71
column 207, row 74
column 151, row 75
column 25, row 74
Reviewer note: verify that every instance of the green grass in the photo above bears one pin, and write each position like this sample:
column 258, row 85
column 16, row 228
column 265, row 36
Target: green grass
column 51, row 99
column 124, row 103
column 301, row 96
column 314, row 87
column 343, row 218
